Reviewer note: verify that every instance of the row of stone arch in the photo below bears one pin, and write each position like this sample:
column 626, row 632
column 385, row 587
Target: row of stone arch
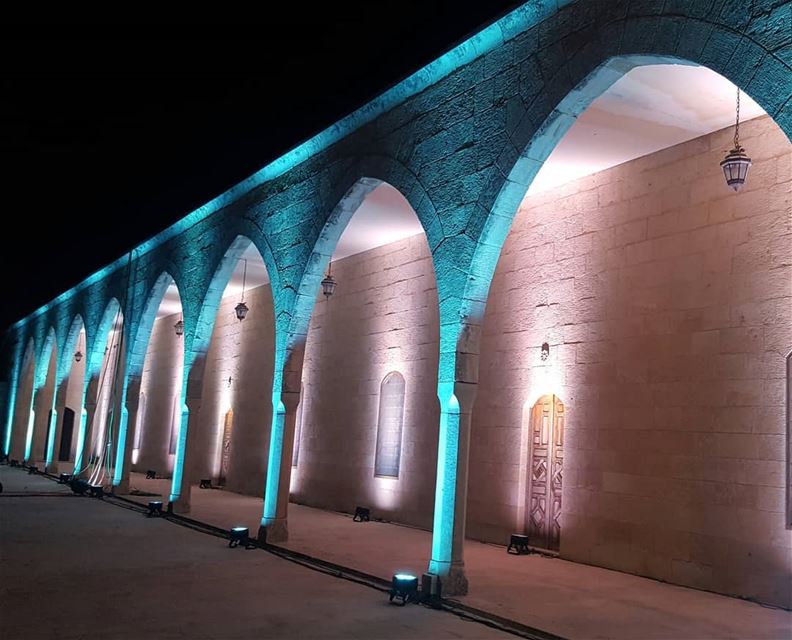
column 464, row 250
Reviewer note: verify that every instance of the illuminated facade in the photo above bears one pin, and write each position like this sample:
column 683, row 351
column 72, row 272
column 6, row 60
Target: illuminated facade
column 667, row 337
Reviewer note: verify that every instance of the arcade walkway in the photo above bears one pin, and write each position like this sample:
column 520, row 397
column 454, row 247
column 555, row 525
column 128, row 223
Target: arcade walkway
column 74, row 568
column 561, row 597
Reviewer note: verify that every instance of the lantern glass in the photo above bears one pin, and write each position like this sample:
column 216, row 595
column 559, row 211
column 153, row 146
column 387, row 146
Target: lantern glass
column 241, row 311
column 735, row 168
column 328, row 286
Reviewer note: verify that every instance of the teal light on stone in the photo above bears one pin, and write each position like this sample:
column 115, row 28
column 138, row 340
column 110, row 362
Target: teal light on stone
column 274, row 461
column 445, row 489
column 51, row 437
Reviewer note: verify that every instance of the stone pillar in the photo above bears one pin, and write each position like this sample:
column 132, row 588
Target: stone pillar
column 85, row 416
column 30, row 425
column 181, row 487
column 129, row 425
column 274, row 523
column 457, row 398
column 287, row 384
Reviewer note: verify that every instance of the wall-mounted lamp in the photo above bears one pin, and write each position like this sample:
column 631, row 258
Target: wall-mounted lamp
column 329, row 283
column 78, row 355
column 242, row 309
column 545, row 353
column 735, row 164
column 179, row 327
column 229, row 381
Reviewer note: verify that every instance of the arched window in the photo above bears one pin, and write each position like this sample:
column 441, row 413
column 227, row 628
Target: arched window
column 389, row 426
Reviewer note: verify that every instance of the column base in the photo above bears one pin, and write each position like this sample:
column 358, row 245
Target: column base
column 455, row 583
column 122, row 488
column 274, row 532
column 180, row 506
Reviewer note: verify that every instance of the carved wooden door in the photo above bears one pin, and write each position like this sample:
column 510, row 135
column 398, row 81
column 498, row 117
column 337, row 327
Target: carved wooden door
column 546, row 473
column 225, row 450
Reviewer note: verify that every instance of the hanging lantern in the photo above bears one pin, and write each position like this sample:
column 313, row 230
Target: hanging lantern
column 78, row 355
column 735, row 164
column 329, row 283
column 242, row 309
column 179, row 327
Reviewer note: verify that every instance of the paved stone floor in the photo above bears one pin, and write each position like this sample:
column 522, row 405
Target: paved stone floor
column 76, row 568
column 566, row 598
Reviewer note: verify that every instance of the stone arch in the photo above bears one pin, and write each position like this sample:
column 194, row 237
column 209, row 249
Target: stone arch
column 201, row 331
column 40, row 427
column 96, row 342
column 633, row 42
column 142, row 332
column 352, row 190
column 69, row 347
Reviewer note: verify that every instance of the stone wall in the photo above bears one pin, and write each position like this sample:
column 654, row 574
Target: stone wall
column 382, row 318
column 666, row 300
column 159, row 388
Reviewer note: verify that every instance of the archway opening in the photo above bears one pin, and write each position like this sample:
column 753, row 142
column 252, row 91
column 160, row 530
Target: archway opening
column 367, row 423
column 636, row 285
column 102, row 403
column 22, row 409
column 64, row 445
column 157, row 421
column 43, row 404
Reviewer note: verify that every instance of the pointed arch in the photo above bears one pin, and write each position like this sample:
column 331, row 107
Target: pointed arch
column 201, row 332
column 142, row 333
column 367, row 173
column 69, row 348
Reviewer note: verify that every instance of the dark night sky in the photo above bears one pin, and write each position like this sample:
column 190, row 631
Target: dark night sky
column 106, row 139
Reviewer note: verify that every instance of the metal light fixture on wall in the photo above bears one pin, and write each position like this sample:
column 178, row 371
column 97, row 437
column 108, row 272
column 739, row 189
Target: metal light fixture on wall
column 242, row 309
column 329, row 283
column 545, row 353
column 735, row 164
column 78, row 355
column 179, row 326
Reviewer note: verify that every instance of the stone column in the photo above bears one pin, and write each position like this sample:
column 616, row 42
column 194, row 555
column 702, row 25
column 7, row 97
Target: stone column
column 29, row 427
column 274, row 526
column 84, row 455
column 457, row 398
column 129, row 425
column 85, row 417
column 274, row 523
column 130, row 402
column 181, row 486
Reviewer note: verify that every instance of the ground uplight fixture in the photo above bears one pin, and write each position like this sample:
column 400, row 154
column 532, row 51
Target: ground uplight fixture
column 237, row 536
column 179, row 327
column 151, row 474
column 362, row 514
column 404, row 587
column 64, row 478
column 329, row 283
column 242, row 309
column 78, row 355
column 154, row 509
column 735, row 164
